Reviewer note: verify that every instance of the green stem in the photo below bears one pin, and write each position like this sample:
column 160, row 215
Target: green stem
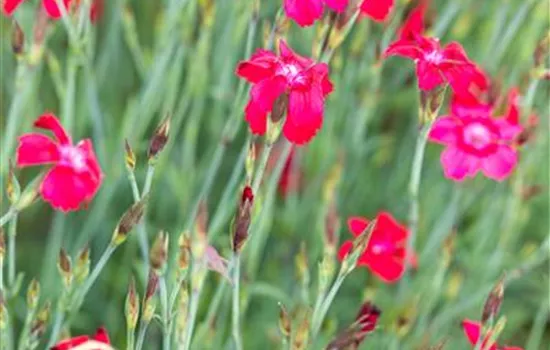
column 167, row 329
column 320, row 313
column 261, row 167
column 23, row 338
column 130, row 336
column 8, row 216
column 57, row 324
column 69, row 98
column 236, row 302
column 133, row 183
column 141, row 334
column 11, row 251
column 148, row 180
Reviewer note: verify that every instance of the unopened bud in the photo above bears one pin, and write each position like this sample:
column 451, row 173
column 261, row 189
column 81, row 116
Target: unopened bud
column 13, row 190
column 159, row 139
column 201, row 222
column 17, row 39
column 82, row 267
column 279, row 108
column 326, row 270
column 301, row 262
column 149, row 302
column 242, row 219
column 332, row 224
column 184, row 245
column 430, row 103
column 359, row 245
column 65, row 268
column 39, row 324
column 493, row 302
column 128, row 221
column 129, row 156
column 541, row 51
column 29, row 195
column 301, row 339
column 208, row 11
column 183, row 306
column 33, row 294
column 159, row 251
column 285, row 325
column 132, row 305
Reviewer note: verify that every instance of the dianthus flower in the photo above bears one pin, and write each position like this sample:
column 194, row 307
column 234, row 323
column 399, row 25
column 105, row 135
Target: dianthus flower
column 472, row 330
column 52, row 9
column 100, row 337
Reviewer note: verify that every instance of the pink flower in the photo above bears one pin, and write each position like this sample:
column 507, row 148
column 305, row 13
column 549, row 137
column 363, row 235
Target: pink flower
column 475, row 142
column 9, row 6
column 100, row 336
column 378, row 10
column 306, row 12
column 305, row 82
column 472, row 330
column 414, row 24
column 75, row 175
column 436, row 65
column 385, row 252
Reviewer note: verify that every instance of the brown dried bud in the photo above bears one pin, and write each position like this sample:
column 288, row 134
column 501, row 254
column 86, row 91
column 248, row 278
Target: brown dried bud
column 159, row 139
column 285, row 324
column 149, row 303
column 279, row 108
column 130, row 156
column 17, row 39
column 184, row 245
column 301, row 339
column 65, row 268
column 82, row 268
column 241, row 221
column 128, row 221
column 159, row 251
column 132, row 305
column 201, row 222
column 33, row 294
column 541, row 51
column 430, row 103
column 365, row 323
column 493, row 302
column 332, row 223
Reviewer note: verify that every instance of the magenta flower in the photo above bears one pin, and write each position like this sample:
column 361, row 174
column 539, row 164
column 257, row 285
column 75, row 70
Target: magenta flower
column 305, row 81
column 475, row 142
column 306, row 12
column 472, row 330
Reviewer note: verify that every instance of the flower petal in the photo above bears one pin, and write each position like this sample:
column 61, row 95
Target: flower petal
column 429, row 76
column 262, row 97
column 404, row 48
column 305, row 114
column 260, row 66
column 458, row 164
column 344, row 250
column 91, row 159
column 67, row 190
column 52, row 9
column 320, row 74
column 68, row 344
column 512, row 114
column 378, row 10
column 444, row 130
column 9, row 6
column 472, row 331
column 304, row 12
column 500, row 164
column 96, row 10
column 337, row 5
column 357, row 224
column 36, row 149
column 102, row 336
column 386, row 268
column 51, row 123
column 389, row 227
column 414, row 24
column 507, row 130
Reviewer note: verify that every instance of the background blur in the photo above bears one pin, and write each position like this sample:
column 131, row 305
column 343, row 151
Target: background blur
column 145, row 62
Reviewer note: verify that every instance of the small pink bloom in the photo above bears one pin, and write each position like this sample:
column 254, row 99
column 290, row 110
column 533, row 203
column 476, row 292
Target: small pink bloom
column 75, row 175
column 100, row 336
column 385, row 253
column 436, row 65
column 306, row 12
column 378, row 10
column 475, row 142
column 472, row 330
column 306, row 83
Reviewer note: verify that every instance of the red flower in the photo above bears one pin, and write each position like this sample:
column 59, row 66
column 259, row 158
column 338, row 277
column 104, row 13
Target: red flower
column 436, row 65
column 100, row 336
column 75, row 175
column 385, row 253
column 472, row 330
column 306, row 12
column 51, row 8
column 476, row 142
column 306, row 83
column 378, row 10
column 414, row 24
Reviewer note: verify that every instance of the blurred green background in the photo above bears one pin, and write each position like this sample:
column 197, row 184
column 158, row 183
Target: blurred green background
column 150, row 58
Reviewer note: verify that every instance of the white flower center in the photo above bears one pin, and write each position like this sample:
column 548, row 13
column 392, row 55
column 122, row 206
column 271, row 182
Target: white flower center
column 477, row 135
column 73, row 157
column 434, row 57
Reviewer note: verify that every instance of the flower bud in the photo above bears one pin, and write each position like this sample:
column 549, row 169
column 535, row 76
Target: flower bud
column 208, row 11
column 129, row 156
column 493, row 302
column 82, row 268
column 184, row 245
column 159, row 139
column 542, row 50
column 332, row 225
column 132, row 305
column 285, row 324
column 33, row 294
column 13, row 190
column 65, row 268
column 242, row 219
column 359, row 245
column 159, row 251
column 430, row 103
column 39, row 324
column 17, row 39
column 301, row 339
column 128, row 221
column 149, row 302
column 201, row 222
column 279, row 108
column 365, row 323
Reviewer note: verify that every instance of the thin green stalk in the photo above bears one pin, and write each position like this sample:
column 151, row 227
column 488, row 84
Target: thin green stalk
column 148, row 180
column 12, row 232
column 211, row 313
column 8, row 216
column 166, row 329
column 141, row 334
column 134, row 185
column 262, row 166
column 320, row 312
column 67, row 118
column 57, row 323
column 236, row 331
column 130, row 336
column 193, row 304
column 23, row 337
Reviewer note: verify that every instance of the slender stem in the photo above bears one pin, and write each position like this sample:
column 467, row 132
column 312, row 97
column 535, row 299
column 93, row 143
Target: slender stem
column 8, row 216
column 130, row 336
column 236, row 302
column 193, row 304
column 57, row 324
column 148, row 179
column 93, row 276
column 69, row 98
column 320, row 313
column 11, row 250
column 133, row 183
column 23, row 337
column 261, row 167
column 166, row 331
column 141, row 334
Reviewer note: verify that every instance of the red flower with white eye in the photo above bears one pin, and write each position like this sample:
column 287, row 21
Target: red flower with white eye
column 304, row 81
column 100, row 337
column 52, row 9
column 385, row 253
column 472, row 330
column 75, row 175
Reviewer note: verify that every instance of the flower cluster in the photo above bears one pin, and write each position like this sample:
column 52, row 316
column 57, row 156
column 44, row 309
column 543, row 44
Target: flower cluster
column 52, row 9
